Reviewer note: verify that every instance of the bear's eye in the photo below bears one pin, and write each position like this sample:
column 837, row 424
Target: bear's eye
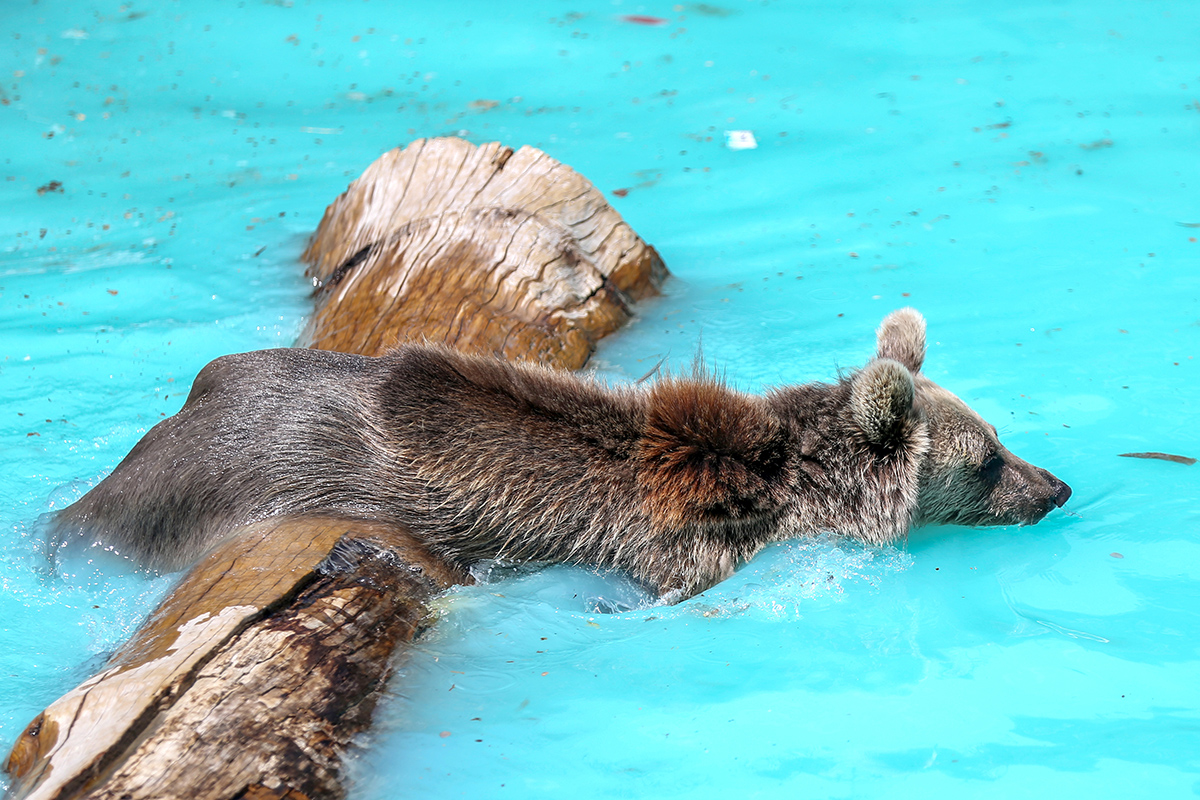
column 990, row 468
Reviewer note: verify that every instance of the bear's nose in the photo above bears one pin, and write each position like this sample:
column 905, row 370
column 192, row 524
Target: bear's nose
column 1062, row 493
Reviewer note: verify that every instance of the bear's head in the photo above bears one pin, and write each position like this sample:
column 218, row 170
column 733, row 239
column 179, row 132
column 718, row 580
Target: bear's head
column 966, row 477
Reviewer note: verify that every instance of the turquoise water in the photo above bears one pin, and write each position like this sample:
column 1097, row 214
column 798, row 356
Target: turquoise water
column 1025, row 174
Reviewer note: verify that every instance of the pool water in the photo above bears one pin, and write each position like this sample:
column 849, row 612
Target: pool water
column 1025, row 174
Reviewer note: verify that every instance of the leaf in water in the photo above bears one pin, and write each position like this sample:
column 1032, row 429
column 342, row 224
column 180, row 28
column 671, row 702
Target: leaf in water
column 643, row 19
column 1160, row 457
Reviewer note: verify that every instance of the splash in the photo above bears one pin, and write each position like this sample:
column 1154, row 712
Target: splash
column 792, row 575
column 776, row 584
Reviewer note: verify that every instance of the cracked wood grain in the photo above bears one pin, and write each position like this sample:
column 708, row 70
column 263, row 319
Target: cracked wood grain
column 483, row 248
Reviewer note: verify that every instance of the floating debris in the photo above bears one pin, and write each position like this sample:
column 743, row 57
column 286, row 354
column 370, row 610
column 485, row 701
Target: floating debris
column 706, row 10
column 1160, row 457
column 740, row 140
column 642, row 19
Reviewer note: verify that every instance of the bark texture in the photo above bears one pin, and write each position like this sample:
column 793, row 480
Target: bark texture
column 255, row 671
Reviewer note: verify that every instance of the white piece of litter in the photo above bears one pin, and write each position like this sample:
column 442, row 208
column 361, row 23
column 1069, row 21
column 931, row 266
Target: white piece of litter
column 740, row 140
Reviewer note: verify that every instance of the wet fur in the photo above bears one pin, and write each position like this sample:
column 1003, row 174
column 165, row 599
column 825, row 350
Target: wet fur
column 677, row 482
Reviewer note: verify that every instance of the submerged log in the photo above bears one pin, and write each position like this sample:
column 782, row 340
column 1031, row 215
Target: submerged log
column 252, row 676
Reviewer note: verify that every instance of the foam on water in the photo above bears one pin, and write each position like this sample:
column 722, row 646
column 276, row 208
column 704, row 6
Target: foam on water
column 784, row 579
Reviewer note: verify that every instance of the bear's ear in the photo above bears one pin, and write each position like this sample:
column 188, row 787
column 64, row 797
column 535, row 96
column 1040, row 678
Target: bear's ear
column 901, row 337
column 881, row 400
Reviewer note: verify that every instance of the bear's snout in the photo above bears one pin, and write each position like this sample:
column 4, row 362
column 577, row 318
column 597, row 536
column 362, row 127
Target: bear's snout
column 1057, row 492
column 1051, row 493
column 1025, row 494
column 1062, row 492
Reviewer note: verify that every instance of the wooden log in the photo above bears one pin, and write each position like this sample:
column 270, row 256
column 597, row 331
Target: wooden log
column 255, row 671
column 483, row 248
column 251, row 677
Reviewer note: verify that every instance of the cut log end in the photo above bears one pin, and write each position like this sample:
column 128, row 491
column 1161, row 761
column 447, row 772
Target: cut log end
column 479, row 248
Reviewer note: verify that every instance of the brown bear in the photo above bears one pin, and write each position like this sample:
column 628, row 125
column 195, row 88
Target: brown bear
column 677, row 482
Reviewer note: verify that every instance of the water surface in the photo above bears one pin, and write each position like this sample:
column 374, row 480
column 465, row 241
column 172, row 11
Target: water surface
column 1025, row 174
